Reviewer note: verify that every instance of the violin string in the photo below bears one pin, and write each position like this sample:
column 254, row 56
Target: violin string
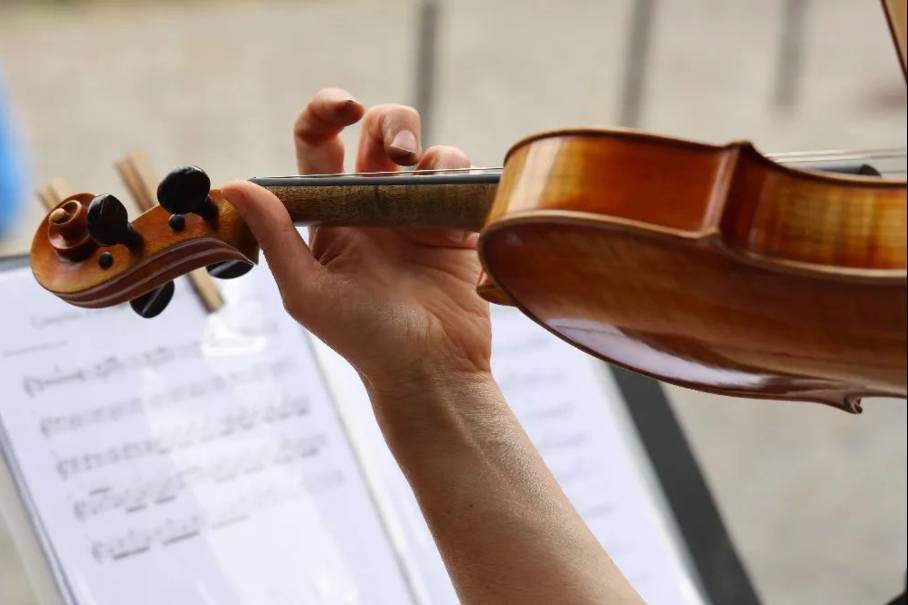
column 794, row 157
column 825, row 156
column 471, row 170
column 886, row 156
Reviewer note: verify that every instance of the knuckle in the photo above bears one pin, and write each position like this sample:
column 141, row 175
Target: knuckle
column 326, row 114
column 385, row 108
column 388, row 113
column 374, row 112
column 304, row 129
column 330, row 93
column 407, row 110
column 300, row 125
column 320, row 95
column 446, row 156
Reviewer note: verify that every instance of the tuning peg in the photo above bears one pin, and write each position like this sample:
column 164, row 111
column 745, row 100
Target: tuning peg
column 108, row 223
column 67, row 228
column 152, row 303
column 229, row 269
column 186, row 190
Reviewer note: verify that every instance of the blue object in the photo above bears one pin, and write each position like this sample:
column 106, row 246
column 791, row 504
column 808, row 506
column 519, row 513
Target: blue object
column 12, row 168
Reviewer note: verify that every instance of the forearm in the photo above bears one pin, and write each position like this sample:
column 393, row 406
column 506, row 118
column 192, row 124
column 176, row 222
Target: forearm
column 394, row 302
column 505, row 529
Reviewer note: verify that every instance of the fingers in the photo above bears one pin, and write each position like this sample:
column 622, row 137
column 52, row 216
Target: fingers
column 289, row 258
column 390, row 137
column 443, row 156
column 318, row 148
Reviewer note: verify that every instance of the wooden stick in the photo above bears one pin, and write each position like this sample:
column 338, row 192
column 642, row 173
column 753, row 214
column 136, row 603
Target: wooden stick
column 52, row 193
column 137, row 174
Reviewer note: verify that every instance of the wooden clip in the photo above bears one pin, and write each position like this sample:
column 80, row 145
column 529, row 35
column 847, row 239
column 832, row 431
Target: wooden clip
column 52, row 193
column 137, row 174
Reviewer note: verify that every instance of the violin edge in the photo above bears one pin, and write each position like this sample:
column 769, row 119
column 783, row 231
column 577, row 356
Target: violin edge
column 802, row 219
column 748, row 146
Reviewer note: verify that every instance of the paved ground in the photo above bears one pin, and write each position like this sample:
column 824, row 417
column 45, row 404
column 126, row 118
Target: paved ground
column 815, row 499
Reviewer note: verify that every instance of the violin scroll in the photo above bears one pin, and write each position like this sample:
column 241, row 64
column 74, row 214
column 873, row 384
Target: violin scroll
column 88, row 253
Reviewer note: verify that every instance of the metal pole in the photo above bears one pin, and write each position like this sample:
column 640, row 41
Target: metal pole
column 637, row 54
column 791, row 53
column 425, row 76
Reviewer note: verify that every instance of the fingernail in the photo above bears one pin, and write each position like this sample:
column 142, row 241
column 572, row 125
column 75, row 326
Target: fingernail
column 404, row 142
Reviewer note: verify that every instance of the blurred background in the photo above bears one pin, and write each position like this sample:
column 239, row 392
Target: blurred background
column 815, row 499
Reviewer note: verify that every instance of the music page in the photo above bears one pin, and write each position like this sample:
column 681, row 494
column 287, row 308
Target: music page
column 190, row 458
column 572, row 411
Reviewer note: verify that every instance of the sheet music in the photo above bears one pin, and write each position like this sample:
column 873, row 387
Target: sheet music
column 187, row 459
column 572, row 413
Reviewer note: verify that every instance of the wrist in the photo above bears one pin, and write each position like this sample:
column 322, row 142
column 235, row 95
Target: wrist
column 435, row 409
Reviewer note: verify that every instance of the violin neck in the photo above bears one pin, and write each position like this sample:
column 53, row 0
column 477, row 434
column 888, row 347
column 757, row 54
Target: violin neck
column 442, row 200
column 446, row 201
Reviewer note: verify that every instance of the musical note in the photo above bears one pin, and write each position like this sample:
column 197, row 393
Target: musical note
column 131, row 498
column 198, row 432
column 109, row 366
column 53, row 425
column 242, row 508
column 188, row 437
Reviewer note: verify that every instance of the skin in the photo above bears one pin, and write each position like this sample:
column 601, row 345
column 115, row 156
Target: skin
column 401, row 307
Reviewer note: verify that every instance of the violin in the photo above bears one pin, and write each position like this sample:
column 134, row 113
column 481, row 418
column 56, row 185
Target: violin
column 711, row 267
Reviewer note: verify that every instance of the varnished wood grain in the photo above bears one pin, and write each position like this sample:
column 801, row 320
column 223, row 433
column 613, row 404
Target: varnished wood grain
column 710, row 267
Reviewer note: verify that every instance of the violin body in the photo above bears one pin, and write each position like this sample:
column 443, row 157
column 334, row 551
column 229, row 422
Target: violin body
column 708, row 267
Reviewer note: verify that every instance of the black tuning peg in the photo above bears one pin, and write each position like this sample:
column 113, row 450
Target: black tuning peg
column 186, row 190
column 108, row 223
column 229, row 269
column 152, row 303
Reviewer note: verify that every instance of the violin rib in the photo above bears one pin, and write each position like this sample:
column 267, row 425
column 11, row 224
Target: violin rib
column 706, row 266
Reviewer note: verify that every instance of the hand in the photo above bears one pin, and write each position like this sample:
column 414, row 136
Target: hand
column 398, row 304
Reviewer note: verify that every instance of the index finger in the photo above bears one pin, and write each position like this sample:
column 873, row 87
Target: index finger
column 318, row 148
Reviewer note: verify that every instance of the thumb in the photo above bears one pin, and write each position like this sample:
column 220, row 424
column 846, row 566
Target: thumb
column 288, row 256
